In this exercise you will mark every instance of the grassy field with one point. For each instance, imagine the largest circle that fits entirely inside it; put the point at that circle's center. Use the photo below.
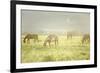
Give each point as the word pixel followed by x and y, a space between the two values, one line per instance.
pixel 66 50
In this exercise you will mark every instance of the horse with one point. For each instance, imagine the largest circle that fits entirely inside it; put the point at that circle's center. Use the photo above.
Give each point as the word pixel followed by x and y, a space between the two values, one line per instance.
pixel 51 38
pixel 85 39
pixel 69 35
pixel 30 36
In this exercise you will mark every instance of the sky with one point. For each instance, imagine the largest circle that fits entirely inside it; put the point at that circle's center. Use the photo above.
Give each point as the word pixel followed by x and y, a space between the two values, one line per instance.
pixel 33 21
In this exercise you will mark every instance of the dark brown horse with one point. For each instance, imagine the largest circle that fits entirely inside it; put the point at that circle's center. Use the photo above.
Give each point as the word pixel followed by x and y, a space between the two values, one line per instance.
pixel 51 38
pixel 30 36
pixel 86 38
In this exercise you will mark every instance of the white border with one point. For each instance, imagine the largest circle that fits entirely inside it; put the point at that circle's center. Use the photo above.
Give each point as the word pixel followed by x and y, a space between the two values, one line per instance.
pixel 20 65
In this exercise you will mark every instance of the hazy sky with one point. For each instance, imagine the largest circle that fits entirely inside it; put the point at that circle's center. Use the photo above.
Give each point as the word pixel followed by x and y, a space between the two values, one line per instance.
pixel 49 21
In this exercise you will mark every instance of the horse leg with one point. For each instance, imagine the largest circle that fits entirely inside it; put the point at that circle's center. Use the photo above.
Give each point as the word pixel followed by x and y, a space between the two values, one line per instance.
pixel 83 41
pixel 49 43
pixel 37 40
pixel 34 40
pixel 28 40
pixel 55 42
pixel 24 40
pixel 45 43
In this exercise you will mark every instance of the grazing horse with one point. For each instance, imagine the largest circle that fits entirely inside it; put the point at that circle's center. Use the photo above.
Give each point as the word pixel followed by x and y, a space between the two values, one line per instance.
pixel 51 38
pixel 69 35
pixel 86 38
pixel 30 36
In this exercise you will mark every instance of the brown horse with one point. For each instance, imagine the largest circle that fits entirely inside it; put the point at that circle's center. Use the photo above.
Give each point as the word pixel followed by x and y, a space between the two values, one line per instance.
pixel 30 36
pixel 69 35
pixel 51 38
pixel 86 39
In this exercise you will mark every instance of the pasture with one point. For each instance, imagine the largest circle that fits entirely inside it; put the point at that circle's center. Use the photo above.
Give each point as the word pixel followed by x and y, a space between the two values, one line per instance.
pixel 66 50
